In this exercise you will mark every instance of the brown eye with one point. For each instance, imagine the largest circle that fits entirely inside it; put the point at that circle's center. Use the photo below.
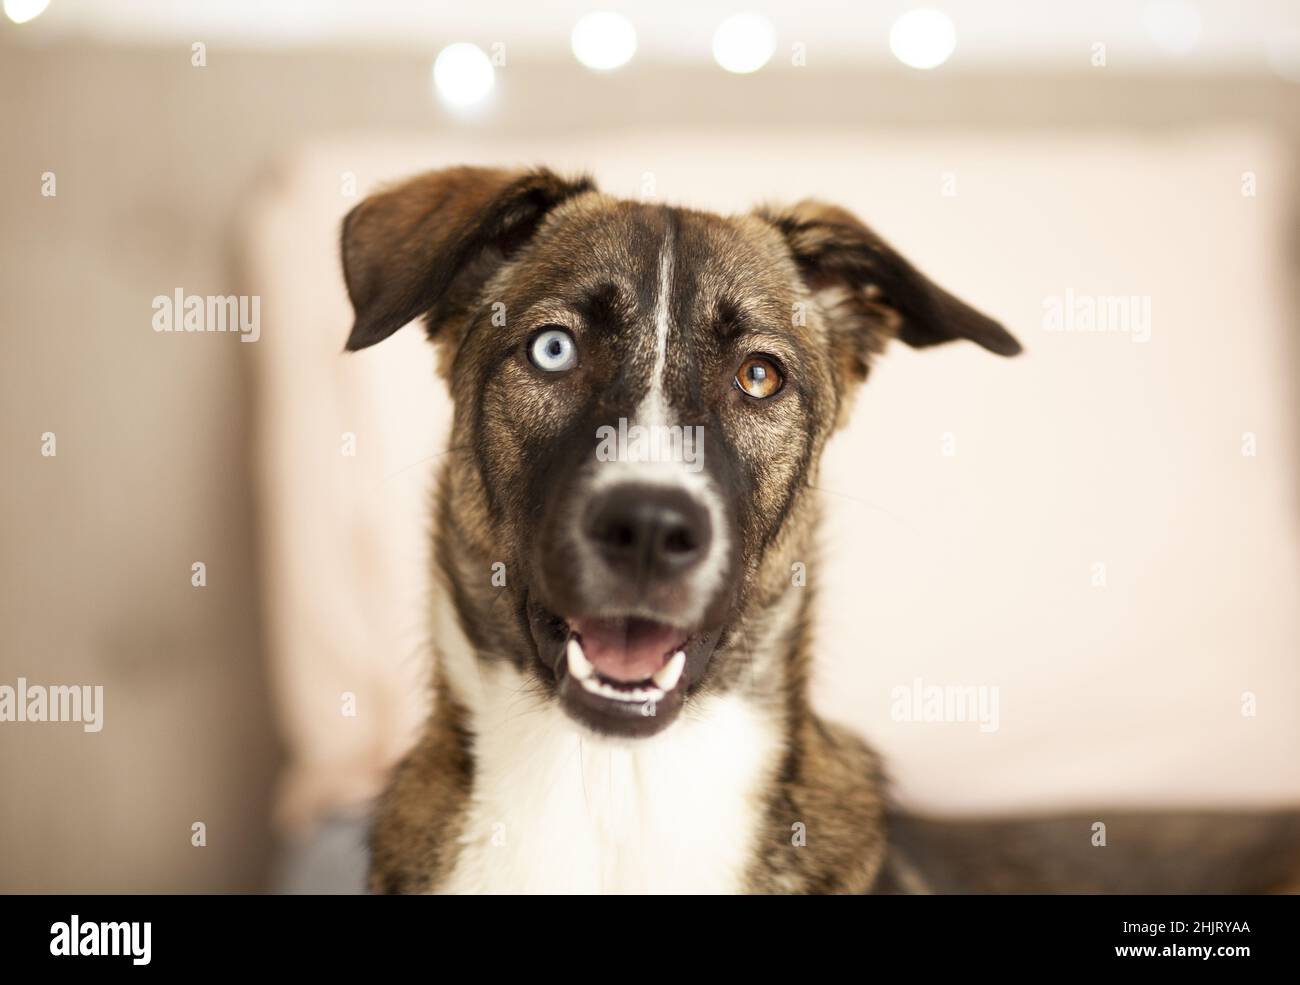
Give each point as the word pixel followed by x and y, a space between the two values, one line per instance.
pixel 759 377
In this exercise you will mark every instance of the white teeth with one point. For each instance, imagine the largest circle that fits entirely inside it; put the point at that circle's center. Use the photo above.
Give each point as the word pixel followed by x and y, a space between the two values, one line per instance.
pixel 670 673
pixel 636 694
pixel 579 666
pixel 581 670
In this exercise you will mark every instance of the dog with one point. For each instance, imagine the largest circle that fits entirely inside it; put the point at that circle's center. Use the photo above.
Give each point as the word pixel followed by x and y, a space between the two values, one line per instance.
pixel 642 396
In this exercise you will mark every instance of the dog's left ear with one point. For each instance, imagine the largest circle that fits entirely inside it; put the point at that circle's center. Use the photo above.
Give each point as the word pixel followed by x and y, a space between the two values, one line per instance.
pixel 875 287
pixel 425 246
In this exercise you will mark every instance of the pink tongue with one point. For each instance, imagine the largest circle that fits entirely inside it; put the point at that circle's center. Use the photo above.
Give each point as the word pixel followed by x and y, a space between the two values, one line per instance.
pixel 626 650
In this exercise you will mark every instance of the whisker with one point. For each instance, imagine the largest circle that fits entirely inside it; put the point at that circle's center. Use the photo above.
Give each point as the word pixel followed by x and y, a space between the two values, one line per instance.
pixel 422 461
pixel 867 503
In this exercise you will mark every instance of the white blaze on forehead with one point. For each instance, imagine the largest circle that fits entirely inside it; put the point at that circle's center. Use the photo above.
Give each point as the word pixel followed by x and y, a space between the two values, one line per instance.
pixel 654 412
pixel 654 408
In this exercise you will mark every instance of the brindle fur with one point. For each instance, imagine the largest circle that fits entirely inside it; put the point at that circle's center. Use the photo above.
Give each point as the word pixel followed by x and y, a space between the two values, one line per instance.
pixel 450 244
pixel 829 780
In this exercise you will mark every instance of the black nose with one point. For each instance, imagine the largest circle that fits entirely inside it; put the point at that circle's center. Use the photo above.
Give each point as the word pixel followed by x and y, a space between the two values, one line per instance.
pixel 647 531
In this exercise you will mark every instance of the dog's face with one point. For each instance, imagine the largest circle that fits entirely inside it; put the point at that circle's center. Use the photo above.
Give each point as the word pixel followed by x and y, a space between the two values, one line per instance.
pixel 642 396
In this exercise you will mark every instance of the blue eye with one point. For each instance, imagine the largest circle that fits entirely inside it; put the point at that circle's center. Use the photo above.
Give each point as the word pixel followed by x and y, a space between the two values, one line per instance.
pixel 553 350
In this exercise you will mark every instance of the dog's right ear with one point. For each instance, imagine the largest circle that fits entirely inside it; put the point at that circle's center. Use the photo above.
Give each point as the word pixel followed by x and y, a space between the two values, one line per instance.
pixel 430 243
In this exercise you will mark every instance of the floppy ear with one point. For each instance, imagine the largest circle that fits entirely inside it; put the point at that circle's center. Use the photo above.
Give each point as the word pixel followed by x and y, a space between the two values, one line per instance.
pixel 430 243
pixel 877 288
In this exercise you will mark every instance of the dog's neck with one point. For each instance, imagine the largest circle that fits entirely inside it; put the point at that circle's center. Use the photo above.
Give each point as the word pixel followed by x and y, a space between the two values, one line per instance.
pixel 555 807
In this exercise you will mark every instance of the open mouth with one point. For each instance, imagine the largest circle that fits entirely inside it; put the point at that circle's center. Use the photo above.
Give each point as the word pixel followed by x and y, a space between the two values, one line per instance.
pixel 626 659
pixel 624 675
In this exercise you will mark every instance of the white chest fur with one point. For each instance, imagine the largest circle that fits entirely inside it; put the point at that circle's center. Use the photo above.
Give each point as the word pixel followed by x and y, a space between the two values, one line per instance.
pixel 558 810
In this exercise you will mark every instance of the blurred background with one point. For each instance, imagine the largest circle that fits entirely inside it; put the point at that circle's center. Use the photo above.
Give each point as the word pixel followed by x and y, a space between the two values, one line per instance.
pixel 1016 150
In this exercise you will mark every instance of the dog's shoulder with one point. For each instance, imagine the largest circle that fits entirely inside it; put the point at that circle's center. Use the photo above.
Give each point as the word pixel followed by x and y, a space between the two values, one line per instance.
pixel 824 830
pixel 418 820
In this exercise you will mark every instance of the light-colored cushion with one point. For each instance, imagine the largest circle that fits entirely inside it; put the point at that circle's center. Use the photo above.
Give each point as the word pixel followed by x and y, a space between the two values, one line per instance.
pixel 1078 528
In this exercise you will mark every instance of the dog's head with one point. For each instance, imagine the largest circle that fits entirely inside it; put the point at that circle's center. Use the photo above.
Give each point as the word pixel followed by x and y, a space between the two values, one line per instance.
pixel 642 394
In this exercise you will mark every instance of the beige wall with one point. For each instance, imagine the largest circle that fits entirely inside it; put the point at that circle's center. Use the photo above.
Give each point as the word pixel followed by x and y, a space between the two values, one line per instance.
pixel 153 161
